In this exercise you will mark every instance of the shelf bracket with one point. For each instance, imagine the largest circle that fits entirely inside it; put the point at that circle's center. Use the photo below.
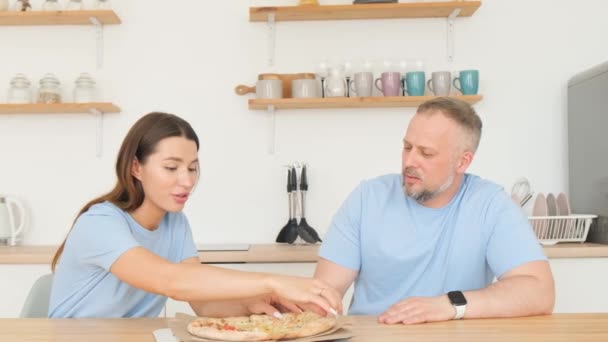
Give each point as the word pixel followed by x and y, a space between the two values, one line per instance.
pixel 271 37
pixel 99 37
pixel 273 128
pixel 99 134
pixel 450 34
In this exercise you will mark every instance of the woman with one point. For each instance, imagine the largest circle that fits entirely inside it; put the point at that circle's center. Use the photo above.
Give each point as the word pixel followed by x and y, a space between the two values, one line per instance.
pixel 132 248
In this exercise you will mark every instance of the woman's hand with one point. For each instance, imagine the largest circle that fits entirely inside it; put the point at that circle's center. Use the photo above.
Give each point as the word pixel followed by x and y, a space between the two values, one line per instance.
pixel 269 305
pixel 306 291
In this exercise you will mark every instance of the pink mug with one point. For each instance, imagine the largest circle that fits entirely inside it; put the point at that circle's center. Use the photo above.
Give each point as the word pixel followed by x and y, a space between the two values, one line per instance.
pixel 390 83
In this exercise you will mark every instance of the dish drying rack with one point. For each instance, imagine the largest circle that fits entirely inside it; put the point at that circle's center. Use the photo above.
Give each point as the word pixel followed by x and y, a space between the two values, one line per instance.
pixel 553 229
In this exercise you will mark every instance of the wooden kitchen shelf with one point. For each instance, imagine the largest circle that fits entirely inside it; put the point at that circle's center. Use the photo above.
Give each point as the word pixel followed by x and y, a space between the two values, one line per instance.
pixel 350 102
pixel 366 11
pixel 280 253
pixel 42 108
pixel 107 17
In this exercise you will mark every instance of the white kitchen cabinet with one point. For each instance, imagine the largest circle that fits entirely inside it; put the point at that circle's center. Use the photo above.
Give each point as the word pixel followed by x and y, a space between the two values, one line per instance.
pixel 581 284
pixel 15 284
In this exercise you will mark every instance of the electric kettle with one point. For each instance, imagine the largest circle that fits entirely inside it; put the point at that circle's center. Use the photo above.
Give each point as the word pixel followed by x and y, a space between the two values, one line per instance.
pixel 12 212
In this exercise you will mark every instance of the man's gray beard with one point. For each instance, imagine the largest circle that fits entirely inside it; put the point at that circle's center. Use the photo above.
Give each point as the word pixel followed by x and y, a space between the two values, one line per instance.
pixel 426 195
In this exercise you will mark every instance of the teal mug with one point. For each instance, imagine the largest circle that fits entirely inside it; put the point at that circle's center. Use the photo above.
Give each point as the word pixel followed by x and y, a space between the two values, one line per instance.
pixel 414 83
pixel 469 82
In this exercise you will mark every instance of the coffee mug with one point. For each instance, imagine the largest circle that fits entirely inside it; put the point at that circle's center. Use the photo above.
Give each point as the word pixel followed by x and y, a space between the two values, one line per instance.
pixel 304 88
pixel 269 89
pixel 361 84
pixel 440 83
pixel 390 83
pixel 469 82
pixel 414 83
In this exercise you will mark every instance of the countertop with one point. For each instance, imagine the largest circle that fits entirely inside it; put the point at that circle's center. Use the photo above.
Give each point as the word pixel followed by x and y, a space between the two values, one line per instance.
pixel 558 327
pixel 277 253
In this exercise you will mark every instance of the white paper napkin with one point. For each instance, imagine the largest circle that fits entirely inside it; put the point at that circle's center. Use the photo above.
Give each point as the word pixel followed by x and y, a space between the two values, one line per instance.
pixel 164 335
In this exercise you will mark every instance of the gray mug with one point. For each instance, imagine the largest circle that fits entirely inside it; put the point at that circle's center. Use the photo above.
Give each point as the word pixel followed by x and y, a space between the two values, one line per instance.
pixel 362 83
pixel 440 83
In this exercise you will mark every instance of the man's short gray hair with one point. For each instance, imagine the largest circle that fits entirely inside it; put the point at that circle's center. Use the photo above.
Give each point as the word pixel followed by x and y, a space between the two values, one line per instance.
pixel 459 111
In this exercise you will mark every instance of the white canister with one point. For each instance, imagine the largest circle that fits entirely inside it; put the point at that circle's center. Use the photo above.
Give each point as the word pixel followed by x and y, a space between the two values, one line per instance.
pixel 269 89
pixel 305 88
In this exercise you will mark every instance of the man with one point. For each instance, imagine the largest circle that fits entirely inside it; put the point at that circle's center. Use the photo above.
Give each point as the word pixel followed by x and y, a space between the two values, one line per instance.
pixel 425 246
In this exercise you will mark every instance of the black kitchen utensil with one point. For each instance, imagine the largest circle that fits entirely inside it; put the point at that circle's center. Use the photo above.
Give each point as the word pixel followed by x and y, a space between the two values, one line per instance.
pixel 289 232
pixel 305 231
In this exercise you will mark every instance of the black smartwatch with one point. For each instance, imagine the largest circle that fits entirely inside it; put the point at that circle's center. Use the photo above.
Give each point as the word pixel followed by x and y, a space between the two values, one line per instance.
pixel 459 302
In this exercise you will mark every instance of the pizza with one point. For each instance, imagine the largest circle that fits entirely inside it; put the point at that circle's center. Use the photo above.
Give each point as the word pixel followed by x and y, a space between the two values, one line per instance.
pixel 261 327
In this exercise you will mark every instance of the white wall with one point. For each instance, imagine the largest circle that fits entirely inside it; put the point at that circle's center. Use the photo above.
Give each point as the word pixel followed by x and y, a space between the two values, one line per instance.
pixel 186 57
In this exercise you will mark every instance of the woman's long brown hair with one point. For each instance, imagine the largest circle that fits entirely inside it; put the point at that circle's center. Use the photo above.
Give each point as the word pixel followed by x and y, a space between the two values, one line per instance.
pixel 140 142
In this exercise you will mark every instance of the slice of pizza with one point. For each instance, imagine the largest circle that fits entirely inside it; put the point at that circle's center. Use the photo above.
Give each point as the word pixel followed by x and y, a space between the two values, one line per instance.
pixel 261 327
pixel 305 324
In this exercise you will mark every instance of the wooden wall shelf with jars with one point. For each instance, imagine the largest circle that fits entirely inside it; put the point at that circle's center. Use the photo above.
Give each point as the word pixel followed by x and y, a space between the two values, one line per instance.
pixel 58 108
pixel 350 102
pixel 97 18
pixel 439 9
pixel 29 18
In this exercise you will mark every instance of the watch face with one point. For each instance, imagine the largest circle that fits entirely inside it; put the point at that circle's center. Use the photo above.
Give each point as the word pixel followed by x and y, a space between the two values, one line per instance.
pixel 457 298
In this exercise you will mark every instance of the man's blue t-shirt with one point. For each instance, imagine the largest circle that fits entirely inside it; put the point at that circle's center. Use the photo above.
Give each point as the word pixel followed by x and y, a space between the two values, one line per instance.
pixel 402 249
pixel 83 286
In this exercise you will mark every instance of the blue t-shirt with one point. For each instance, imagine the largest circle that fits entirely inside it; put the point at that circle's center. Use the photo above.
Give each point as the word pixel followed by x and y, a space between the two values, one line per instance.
pixel 403 249
pixel 83 286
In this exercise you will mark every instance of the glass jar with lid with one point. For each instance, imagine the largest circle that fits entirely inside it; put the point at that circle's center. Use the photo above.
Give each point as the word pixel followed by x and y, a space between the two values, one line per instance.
pixel 103 4
pixel 74 5
pixel 51 5
pixel 20 91
pixel 22 6
pixel 84 89
pixel 50 90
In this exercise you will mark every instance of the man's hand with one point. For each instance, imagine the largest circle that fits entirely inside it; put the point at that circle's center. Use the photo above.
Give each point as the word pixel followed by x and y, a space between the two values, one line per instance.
pixel 416 310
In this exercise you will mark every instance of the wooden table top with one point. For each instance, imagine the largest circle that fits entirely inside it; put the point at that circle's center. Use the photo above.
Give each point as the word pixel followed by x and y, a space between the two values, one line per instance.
pixel 276 253
pixel 558 327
